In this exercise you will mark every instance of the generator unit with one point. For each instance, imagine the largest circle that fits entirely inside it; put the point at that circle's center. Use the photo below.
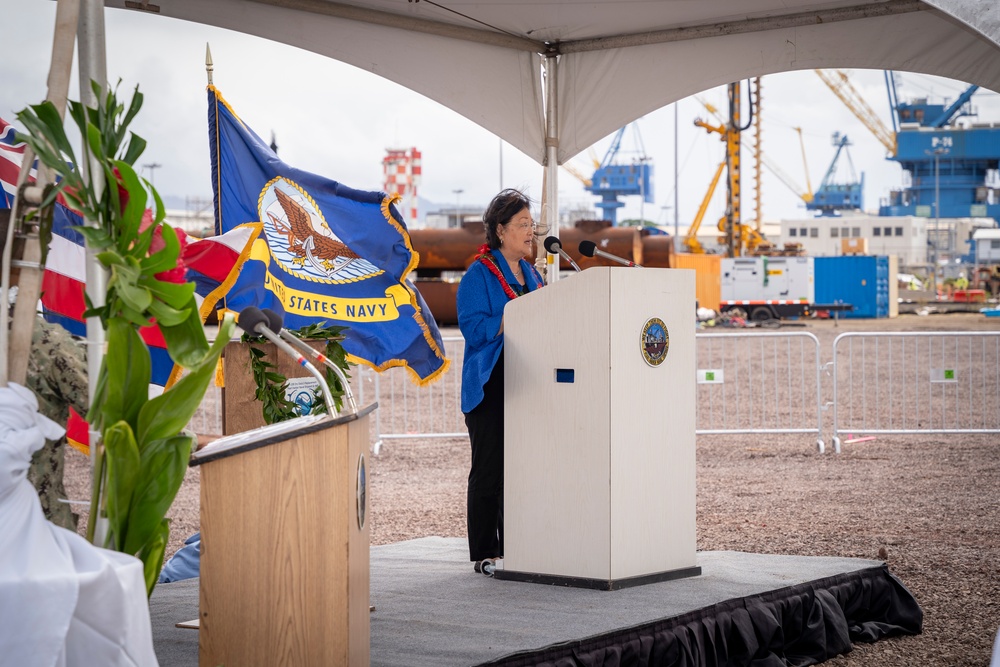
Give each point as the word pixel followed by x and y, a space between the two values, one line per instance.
pixel 768 287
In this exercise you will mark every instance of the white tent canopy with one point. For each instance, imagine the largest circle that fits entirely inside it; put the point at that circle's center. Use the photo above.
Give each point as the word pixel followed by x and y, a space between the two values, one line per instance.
pixel 617 60
pixel 551 77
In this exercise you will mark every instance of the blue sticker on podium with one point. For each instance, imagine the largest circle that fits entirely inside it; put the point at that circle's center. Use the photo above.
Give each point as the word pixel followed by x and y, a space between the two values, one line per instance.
pixel 565 375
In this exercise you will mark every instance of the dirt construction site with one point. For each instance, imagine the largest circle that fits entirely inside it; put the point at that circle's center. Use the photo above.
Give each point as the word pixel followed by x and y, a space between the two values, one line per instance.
pixel 926 503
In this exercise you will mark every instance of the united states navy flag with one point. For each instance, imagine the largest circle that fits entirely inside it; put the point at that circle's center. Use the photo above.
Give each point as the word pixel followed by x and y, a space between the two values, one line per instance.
pixel 327 253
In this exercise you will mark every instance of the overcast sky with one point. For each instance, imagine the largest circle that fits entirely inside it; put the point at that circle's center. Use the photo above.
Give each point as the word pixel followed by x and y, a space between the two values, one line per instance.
pixel 336 120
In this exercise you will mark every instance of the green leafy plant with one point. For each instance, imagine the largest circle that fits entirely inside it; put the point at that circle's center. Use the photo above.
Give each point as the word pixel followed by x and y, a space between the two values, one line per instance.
pixel 143 452
pixel 271 384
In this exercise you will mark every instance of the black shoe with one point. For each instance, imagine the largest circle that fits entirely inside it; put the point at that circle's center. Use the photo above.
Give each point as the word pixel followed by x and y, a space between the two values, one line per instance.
pixel 486 566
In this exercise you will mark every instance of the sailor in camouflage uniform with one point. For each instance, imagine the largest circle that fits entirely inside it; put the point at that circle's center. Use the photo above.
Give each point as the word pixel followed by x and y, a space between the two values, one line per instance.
pixel 57 374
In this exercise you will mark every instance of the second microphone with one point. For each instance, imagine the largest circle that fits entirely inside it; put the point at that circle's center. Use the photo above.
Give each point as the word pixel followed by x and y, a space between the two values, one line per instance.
pixel 589 249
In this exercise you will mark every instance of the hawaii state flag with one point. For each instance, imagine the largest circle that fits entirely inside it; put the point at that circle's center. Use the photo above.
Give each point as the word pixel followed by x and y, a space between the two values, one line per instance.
pixel 11 156
pixel 213 264
pixel 327 252
pixel 78 432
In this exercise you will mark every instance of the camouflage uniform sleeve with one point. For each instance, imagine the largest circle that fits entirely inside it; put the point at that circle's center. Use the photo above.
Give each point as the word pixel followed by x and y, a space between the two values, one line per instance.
pixel 57 370
pixel 57 374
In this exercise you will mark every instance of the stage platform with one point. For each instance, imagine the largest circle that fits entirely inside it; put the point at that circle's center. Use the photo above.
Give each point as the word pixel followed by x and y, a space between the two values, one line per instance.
pixel 432 609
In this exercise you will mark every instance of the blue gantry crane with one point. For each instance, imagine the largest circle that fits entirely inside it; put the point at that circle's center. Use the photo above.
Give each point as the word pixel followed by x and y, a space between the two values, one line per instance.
pixel 951 167
pixel 831 198
pixel 612 179
pixel 956 165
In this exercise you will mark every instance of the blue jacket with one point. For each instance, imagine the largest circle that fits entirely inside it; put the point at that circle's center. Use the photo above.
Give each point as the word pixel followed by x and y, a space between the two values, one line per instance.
pixel 481 300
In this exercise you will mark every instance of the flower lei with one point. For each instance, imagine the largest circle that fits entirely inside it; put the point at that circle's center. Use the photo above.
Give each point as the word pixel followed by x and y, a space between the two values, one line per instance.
pixel 488 260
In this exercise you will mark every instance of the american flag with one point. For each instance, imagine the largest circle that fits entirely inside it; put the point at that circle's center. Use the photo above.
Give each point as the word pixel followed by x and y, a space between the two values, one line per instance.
pixel 11 156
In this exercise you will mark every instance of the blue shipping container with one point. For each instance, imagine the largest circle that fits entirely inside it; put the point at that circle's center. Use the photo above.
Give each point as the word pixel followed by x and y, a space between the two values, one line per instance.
pixel 860 280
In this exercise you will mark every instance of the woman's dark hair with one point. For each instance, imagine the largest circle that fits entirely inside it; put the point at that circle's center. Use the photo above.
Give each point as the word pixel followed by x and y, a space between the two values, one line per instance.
pixel 504 206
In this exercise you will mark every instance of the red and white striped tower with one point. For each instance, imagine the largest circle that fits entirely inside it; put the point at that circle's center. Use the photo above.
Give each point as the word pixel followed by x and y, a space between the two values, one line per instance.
pixel 401 167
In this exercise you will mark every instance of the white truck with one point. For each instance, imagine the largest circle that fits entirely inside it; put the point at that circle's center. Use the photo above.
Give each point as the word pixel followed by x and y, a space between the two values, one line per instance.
pixel 766 288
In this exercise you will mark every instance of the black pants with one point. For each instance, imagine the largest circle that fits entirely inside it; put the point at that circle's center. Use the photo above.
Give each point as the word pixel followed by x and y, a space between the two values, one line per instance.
pixel 485 498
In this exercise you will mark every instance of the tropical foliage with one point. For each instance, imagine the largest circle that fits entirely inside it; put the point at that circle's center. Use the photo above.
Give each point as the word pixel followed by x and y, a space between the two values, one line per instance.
pixel 140 462
pixel 271 384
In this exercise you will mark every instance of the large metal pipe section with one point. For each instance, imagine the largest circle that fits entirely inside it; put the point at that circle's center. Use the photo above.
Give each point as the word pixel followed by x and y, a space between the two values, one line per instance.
pixel 455 249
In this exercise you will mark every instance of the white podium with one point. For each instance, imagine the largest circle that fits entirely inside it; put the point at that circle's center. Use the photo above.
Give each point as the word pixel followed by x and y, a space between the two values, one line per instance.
pixel 599 430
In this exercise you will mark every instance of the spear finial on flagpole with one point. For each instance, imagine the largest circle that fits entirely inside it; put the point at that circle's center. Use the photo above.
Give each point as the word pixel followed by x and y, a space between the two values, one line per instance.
pixel 208 62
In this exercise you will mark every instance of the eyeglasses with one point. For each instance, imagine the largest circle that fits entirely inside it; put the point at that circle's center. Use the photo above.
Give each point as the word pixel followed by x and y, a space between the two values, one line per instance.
pixel 525 226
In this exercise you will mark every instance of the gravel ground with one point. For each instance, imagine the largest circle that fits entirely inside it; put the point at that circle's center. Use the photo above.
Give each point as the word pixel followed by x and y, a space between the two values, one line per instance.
pixel 927 504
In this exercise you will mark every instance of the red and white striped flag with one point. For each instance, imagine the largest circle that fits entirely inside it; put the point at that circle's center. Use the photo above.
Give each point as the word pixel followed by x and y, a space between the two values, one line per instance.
pixel 213 264
pixel 11 157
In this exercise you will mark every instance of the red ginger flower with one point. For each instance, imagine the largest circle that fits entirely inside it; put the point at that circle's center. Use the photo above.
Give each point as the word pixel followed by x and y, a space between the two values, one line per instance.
pixel 178 273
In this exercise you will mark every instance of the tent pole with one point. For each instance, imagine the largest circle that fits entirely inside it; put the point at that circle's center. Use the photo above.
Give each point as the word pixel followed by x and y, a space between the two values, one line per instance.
pixel 15 345
pixel 93 67
pixel 551 183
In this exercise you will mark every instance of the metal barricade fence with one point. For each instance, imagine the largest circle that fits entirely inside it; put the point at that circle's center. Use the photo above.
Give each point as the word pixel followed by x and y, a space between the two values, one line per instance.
pixel 747 383
pixel 207 419
pixel 916 382
pixel 407 411
pixel 751 383
pixel 394 390
pixel 759 383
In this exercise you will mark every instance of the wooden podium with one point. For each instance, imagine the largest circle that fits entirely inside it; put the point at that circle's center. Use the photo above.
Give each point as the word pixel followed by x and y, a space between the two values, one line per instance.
pixel 599 430
pixel 284 545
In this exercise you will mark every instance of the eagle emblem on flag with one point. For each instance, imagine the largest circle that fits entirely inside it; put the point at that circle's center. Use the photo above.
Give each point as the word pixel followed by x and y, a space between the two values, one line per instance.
pixel 301 240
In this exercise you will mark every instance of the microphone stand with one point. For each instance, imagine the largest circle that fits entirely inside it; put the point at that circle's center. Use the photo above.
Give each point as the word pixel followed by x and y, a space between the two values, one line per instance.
pixel 323 359
pixel 589 249
pixel 261 329
pixel 554 246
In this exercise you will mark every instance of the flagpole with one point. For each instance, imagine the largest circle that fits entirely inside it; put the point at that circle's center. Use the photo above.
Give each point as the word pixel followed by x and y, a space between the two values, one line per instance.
pixel 551 181
pixel 16 344
pixel 208 62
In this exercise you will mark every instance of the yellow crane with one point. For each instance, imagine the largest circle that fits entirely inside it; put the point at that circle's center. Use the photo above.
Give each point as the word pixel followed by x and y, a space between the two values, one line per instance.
pixel 805 164
pixel 576 172
pixel 691 241
pixel 805 194
pixel 736 235
pixel 841 86
pixel 758 135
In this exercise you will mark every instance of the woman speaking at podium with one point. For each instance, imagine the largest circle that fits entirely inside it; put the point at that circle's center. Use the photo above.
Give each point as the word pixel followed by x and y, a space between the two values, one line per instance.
pixel 500 273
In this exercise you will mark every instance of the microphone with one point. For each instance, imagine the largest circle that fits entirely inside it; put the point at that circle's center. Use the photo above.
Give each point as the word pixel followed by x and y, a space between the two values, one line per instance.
pixel 254 321
pixel 589 249
pixel 276 325
pixel 553 246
